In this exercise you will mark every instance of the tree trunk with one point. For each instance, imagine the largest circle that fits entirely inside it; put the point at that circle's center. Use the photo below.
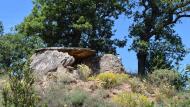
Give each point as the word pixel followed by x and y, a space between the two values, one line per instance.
pixel 141 56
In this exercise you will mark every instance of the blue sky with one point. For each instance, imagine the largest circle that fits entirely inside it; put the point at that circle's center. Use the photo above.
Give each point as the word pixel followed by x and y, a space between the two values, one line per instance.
pixel 12 12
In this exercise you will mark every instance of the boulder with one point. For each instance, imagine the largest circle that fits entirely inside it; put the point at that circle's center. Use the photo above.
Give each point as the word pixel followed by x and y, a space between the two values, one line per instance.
pixel 110 63
pixel 57 66
pixel 105 63
pixel 49 61
pixel 60 77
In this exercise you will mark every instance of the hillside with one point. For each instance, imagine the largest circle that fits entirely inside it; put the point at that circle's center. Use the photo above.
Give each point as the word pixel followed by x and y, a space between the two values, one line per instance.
pixel 78 85
pixel 94 53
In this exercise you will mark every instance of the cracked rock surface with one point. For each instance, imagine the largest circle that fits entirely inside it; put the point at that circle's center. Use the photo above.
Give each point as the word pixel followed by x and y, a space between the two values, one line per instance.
pixel 49 61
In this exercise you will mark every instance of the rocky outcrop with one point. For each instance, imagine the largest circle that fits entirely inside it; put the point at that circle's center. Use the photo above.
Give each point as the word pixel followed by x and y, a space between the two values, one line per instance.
pixel 55 64
pixel 110 63
pixel 58 65
pixel 60 76
pixel 105 63
pixel 50 60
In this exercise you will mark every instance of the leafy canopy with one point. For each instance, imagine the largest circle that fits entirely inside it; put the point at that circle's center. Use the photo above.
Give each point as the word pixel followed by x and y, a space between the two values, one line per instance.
pixel 76 23
pixel 153 34
pixel 16 48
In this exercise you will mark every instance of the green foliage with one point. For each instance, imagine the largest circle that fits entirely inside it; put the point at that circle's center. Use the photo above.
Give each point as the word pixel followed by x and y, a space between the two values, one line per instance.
pixel 77 23
pixel 126 99
pixel 170 77
pixel 165 90
pixel 16 48
pixel 165 56
pixel 180 100
pixel 170 1
pixel 79 98
pixel 153 33
pixel 19 90
pixel 1 28
pixel 188 68
pixel 63 97
pixel 161 76
pixel 84 71
pixel 109 79
pixel 137 85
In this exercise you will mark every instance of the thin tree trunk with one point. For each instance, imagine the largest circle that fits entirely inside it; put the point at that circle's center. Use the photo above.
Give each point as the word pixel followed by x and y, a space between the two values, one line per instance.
pixel 141 56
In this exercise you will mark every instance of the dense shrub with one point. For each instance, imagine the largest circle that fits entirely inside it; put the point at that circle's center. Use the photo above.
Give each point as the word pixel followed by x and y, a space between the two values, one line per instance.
pixel 167 90
pixel 84 71
pixel 164 76
pixel 63 97
pixel 180 100
pixel 80 98
pixel 109 79
pixel 126 99
pixel 137 85
pixel 76 98
pixel 19 91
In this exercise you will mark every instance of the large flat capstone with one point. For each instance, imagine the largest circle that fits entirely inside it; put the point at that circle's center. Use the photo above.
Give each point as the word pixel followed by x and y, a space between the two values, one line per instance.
pixel 77 53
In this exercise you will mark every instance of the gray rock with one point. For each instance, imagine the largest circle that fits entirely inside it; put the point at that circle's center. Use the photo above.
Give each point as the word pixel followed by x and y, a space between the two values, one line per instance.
pixel 49 61
pixel 105 63
pixel 110 63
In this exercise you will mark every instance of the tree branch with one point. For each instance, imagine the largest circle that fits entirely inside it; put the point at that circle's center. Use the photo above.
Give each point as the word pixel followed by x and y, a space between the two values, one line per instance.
pixel 179 17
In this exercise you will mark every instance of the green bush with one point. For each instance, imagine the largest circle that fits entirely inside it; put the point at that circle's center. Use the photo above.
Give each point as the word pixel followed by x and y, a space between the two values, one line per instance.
pixel 167 90
pixel 95 101
pixel 164 76
pixel 126 99
pixel 137 85
pixel 54 95
pixel 180 100
pixel 76 98
pixel 84 71
pixel 19 92
pixel 63 97
pixel 109 79
pixel 80 98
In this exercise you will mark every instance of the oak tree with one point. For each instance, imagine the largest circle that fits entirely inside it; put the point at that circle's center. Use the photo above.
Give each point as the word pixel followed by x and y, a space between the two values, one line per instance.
pixel 75 23
pixel 153 25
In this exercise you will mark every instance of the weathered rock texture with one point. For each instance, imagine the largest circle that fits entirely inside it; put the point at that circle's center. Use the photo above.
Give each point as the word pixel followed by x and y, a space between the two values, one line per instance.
pixel 105 63
pixel 61 75
pixel 50 60
pixel 58 65
pixel 110 63
pixel 54 64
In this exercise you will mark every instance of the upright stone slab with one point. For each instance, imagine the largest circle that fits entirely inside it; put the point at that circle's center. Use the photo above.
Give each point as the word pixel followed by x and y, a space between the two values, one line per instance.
pixel 105 63
pixel 111 63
